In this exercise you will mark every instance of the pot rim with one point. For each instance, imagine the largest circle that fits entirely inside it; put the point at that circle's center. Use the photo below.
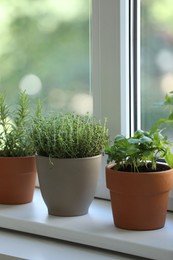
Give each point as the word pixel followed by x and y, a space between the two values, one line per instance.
pixel 167 170
pixel 81 158
pixel 16 157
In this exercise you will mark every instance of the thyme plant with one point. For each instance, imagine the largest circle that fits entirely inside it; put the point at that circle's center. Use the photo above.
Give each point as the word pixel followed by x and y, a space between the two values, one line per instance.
pixel 15 137
pixel 68 135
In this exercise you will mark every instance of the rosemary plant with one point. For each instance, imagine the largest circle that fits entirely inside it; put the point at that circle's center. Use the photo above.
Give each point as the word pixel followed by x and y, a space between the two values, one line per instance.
pixel 68 135
pixel 15 137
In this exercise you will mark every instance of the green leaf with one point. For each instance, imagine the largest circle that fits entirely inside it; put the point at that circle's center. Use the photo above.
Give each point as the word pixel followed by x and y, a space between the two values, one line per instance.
pixel 170 117
pixel 133 141
pixel 119 138
pixel 133 150
pixel 169 159
pixel 145 139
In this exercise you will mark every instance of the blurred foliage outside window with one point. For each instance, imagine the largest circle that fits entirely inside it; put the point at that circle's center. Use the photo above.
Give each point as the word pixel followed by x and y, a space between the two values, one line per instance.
pixel 44 49
pixel 156 58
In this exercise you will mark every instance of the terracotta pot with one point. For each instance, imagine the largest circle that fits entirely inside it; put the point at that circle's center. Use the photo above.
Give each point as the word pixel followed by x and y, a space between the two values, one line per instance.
pixel 139 200
pixel 17 179
pixel 68 186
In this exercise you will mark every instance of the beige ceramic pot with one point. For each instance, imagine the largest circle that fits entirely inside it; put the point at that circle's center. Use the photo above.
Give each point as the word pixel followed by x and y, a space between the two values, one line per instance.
pixel 139 200
pixel 68 186
pixel 17 179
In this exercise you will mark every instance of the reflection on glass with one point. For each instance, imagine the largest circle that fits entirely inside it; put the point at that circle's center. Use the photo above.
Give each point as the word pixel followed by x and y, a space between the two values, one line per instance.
pixel 44 49
pixel 156 57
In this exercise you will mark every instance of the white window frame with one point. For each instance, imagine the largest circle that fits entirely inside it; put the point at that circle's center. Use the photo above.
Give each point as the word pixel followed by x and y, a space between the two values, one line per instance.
pixel 110 69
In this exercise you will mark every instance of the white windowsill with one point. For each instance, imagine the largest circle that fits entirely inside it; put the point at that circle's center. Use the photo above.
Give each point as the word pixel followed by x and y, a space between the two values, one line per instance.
pixel 94 229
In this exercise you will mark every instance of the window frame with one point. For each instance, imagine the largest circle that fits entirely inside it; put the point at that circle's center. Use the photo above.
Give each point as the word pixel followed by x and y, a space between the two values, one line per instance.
pixel 110 70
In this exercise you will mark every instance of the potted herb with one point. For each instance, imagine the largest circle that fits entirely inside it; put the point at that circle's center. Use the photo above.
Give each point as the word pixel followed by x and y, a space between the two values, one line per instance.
pixel 138 183
pixel 17 160
pixel 69 153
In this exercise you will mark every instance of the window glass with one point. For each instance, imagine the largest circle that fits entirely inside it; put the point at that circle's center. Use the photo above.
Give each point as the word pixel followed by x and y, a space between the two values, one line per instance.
pixel 156 58
pixel 44 49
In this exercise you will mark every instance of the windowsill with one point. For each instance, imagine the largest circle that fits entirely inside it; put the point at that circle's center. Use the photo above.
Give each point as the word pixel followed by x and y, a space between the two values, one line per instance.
pixel 94 229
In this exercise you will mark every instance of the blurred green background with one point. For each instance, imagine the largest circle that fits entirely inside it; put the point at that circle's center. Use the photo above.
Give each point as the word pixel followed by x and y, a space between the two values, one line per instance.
pixel 156 58
pixel 44 49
